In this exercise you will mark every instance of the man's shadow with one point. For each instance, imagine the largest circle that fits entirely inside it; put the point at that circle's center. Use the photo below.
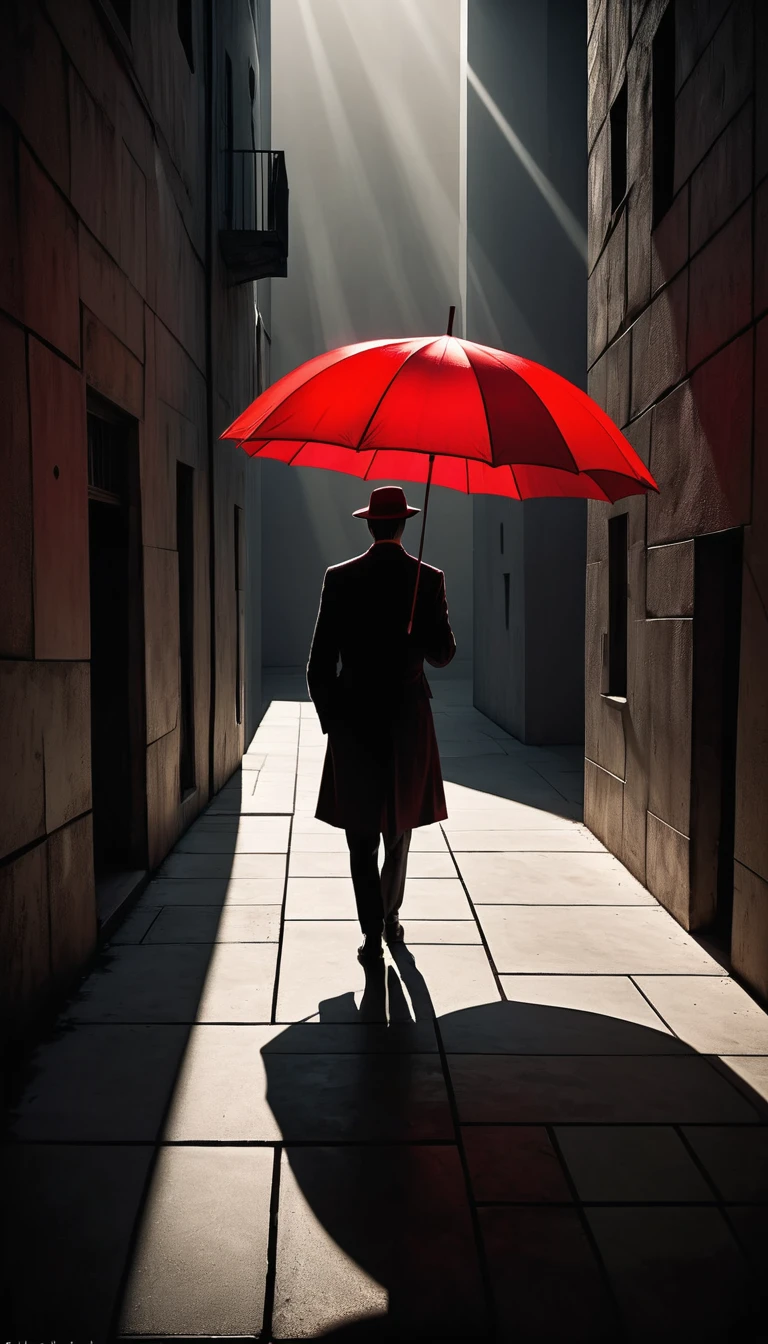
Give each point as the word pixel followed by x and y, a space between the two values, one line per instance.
pixel 379 1235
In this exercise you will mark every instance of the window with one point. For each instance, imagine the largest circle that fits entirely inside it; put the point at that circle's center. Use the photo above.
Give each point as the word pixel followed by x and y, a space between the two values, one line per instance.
pixel 185 543
pixel 184 25
pixel 619 148
pixel 663 113
pixel 239 567
pixel 617 605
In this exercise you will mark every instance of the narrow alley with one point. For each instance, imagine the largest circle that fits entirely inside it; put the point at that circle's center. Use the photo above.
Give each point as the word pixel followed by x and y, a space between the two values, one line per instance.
pixel 544 1119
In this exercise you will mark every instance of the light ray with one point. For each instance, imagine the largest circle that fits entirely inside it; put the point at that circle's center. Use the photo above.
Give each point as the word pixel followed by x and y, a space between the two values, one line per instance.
pixel 565 217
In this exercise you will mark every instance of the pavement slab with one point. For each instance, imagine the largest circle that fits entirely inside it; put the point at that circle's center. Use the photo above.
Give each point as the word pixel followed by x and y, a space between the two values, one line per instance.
pixel 542 1117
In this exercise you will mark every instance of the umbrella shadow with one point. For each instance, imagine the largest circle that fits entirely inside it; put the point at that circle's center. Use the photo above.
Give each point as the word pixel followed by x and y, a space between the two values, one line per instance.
pixel 428 1192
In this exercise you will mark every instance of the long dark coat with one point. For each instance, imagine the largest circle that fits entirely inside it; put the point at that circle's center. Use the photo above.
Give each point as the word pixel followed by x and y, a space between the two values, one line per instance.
pixel 382 766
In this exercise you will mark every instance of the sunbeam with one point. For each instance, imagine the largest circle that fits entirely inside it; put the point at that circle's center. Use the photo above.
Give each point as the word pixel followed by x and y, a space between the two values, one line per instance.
pixel 565 217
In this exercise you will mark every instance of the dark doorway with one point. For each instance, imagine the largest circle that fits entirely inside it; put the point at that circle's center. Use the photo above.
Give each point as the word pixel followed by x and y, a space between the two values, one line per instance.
pixel 116 649
pixel 716 637
pixel 185 541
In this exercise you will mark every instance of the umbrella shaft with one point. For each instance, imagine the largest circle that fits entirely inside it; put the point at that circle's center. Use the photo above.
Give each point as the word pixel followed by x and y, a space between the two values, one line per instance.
pixel 421 543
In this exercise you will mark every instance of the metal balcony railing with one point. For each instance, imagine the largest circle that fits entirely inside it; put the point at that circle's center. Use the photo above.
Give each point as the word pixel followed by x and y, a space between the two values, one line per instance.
pixel 254 233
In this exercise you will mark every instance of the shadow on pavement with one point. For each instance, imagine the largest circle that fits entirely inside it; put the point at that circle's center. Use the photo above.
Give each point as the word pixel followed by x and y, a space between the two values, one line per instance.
pixel 561 1185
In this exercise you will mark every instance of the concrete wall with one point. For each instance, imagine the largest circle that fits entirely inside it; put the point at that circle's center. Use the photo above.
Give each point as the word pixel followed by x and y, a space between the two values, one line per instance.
pixel 366 105
pixel 526 216
pixel 679 356
pixel 103 289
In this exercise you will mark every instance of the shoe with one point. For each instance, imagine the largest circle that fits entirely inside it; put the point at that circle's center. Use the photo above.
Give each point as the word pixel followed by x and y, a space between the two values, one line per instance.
pixel 394 931
pixel 371 950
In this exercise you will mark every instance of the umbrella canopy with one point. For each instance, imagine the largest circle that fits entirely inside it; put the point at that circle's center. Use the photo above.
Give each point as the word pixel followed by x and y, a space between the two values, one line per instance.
pixel 440 409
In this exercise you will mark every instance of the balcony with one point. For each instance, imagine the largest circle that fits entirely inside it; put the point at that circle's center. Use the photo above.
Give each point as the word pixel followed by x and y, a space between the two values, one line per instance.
pixel 254 236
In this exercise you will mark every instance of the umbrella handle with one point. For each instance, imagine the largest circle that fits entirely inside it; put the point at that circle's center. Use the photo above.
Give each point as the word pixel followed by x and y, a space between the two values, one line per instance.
pixel 421 543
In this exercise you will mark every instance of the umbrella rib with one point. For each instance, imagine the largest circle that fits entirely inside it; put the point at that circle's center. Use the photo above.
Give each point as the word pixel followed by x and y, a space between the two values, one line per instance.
pixel 365 345
pixel 544 407
pixel 488 425
pixel 603 430
pixel 429 340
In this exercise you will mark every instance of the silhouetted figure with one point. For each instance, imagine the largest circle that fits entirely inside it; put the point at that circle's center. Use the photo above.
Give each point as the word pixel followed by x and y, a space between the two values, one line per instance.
pixel 382 772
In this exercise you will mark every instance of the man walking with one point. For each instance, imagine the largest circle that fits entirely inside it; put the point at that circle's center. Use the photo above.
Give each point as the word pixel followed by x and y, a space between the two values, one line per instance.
pixel 382 772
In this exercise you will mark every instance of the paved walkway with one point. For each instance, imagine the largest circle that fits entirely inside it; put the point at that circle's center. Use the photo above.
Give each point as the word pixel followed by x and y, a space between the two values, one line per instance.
pixel 546 1121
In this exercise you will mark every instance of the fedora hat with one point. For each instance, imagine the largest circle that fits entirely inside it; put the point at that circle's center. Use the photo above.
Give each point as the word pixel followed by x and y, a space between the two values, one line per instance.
pixel 387 502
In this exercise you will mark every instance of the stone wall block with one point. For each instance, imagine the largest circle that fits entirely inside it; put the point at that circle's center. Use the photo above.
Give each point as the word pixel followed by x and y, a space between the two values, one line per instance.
pixel 71 898
pixel 48 230
pixel 599 193
pixel 11 299
pixel 106 292
pixel 721 287
pixel 616 264
pixel 133 221
pixel 597 531
pixel 761 248
pixel 161 640
pixel 638 433
pixel 95 160
pixel 617 16
pixel 603 805
pixel 33 85
pixel 761 91
pixel 658 345
pixel 16 630
pixel 694 28
pixel 175 273
pixel 701 450
pixel 669 580
pixel 158 488
pixel 110 368
pixel 669 645
pixel 84 37
pixel 667 868
pixel 60 493
pixel 597 78
pixel 178 381
pixel 756 536
pixel 723 180
pixel 24 938
pixel 669 242
pixel 751 843
pixel 22 788
pixel 604 729
pixel 609 380
pixel 638 174
pixel 636 722
pixel 638 211
pixel 597 311
pixel 163 796
pixel 65 690
pixel 719 83
pixel 749 945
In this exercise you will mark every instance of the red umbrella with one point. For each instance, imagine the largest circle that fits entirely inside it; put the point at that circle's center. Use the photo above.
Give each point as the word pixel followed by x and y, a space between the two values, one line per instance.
pixel 443 410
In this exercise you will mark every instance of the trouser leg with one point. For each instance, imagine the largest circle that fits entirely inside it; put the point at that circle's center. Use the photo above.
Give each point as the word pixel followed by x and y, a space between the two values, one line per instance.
pixel 393 873
pixel 364 866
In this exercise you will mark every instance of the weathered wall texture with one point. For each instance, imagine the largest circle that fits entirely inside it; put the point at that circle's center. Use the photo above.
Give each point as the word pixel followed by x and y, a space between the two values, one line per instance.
pixel 366 106
pixel 103 289
pixel 526 244
pixel 678 355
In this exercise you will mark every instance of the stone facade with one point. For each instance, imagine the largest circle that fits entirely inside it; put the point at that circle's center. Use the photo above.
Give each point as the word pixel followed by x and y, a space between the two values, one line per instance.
pixel 526 292
pixel 676 765
pixel 114 307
